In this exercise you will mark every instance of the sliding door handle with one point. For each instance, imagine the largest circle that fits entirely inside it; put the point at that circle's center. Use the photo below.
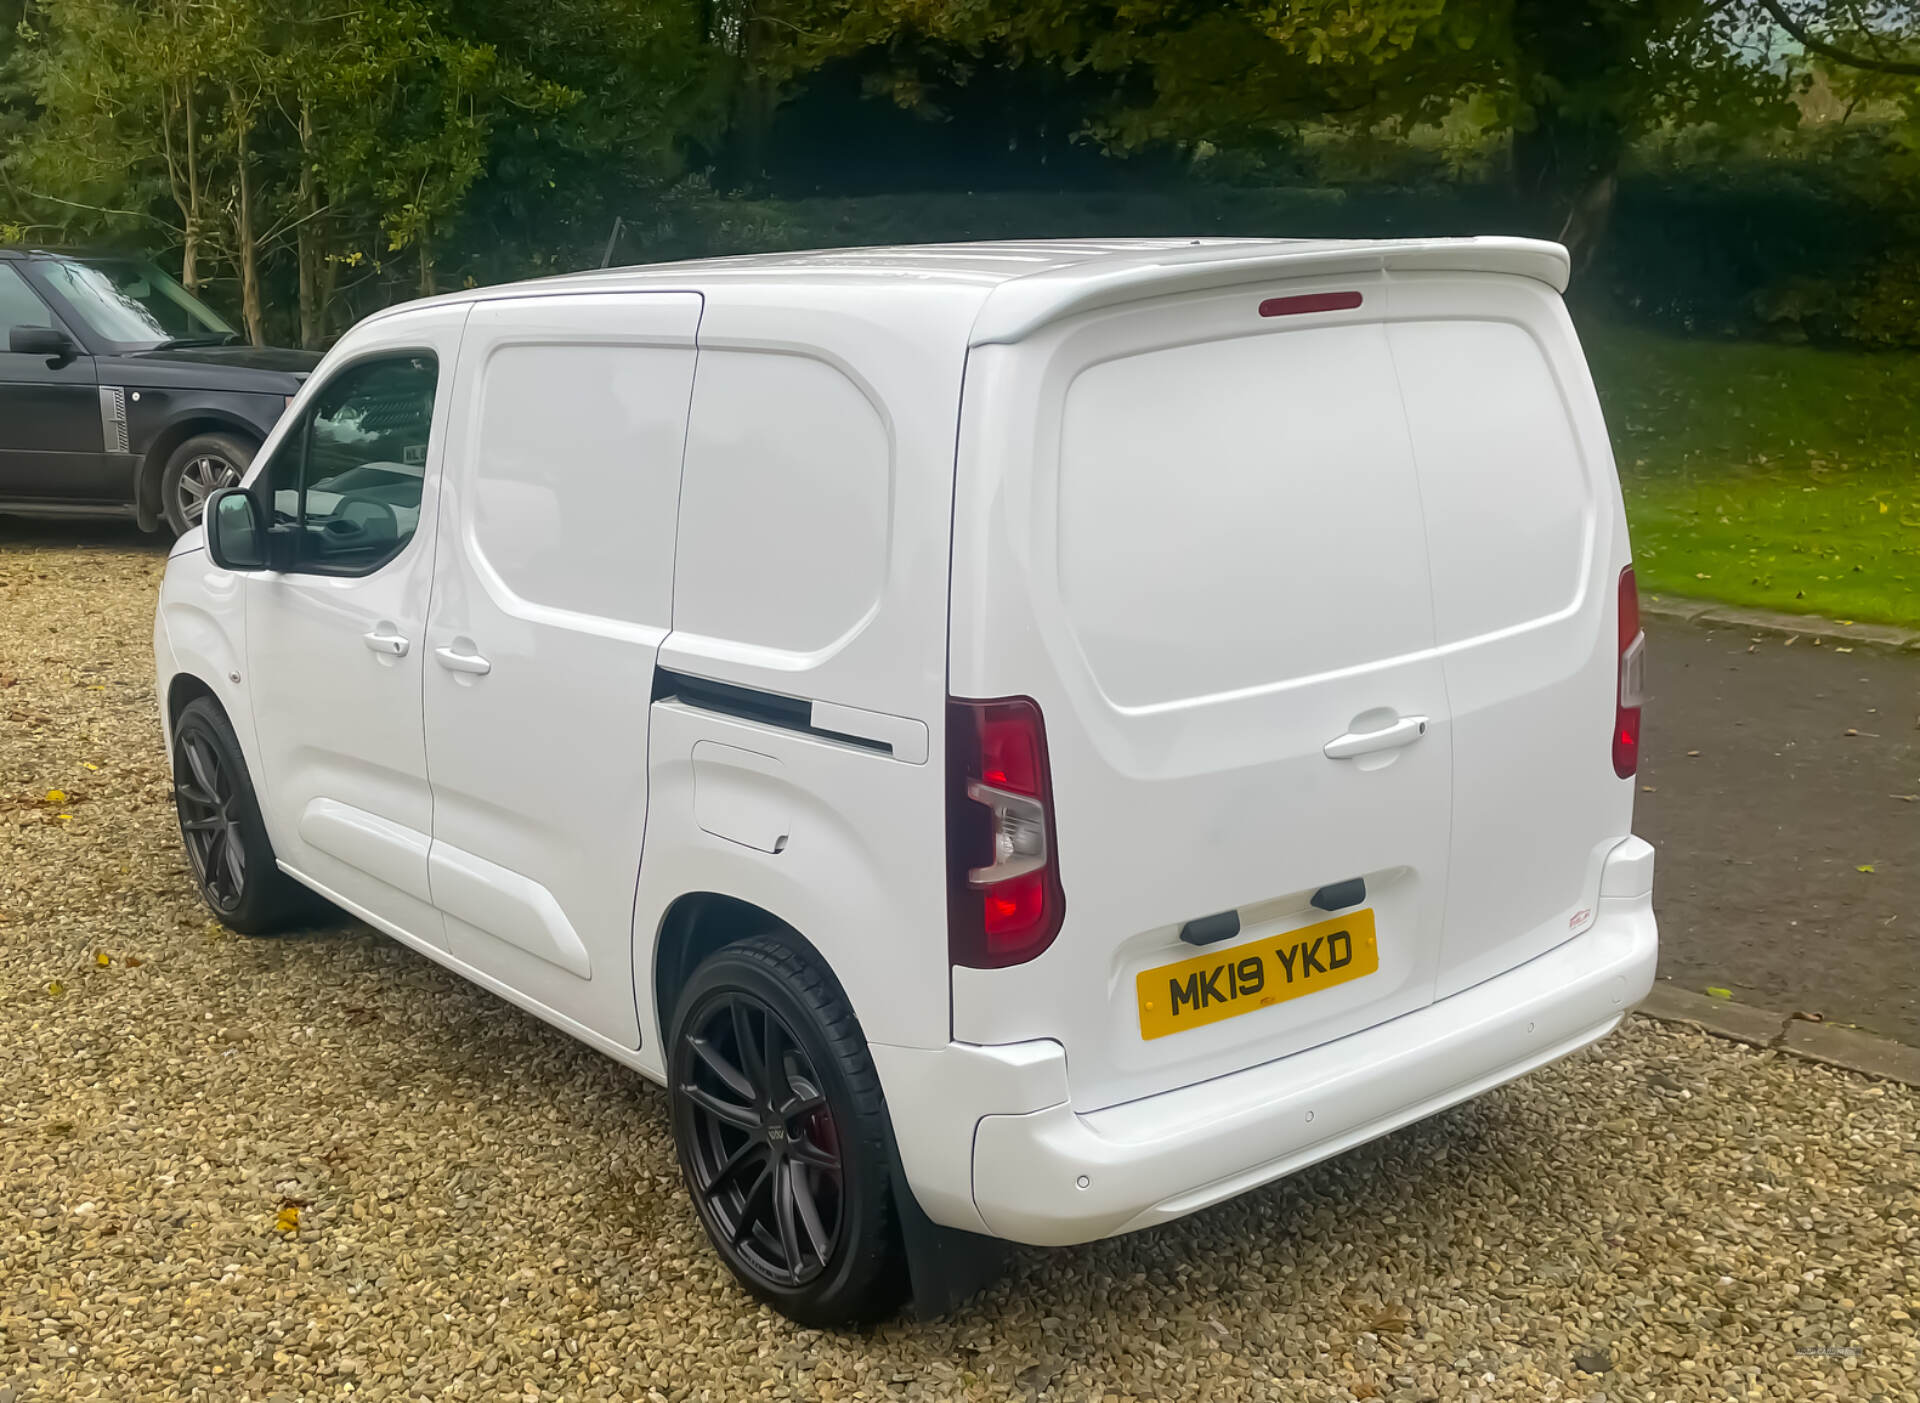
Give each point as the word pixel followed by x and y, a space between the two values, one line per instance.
pixel 454 661
pixel 1405 731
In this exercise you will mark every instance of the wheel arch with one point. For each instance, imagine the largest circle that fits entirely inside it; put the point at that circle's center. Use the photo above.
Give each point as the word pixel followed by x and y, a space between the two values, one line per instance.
pixel 182 691
pixel 697 924
pixel 201 419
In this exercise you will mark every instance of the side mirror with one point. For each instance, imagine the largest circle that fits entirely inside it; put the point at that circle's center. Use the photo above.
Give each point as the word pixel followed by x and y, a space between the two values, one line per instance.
pixel 235 537
pixel 47 341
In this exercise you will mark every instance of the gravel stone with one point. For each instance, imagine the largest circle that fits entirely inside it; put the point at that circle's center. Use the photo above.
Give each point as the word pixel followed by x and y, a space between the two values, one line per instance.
pixel 320 1167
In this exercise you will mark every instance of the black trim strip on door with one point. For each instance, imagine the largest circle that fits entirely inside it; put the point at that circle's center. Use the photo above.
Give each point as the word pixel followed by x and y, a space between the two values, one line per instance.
pixel 751 704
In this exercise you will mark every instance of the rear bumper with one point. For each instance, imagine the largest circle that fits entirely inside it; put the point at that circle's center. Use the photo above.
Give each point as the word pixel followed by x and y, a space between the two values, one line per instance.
pixel 1052 1176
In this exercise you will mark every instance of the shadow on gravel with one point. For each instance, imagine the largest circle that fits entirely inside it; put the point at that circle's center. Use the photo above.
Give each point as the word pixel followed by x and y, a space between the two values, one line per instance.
pixel 80 533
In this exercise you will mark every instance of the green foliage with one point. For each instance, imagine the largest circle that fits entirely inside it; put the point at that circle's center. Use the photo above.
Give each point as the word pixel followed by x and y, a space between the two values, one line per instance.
pixel 315 143
pixel 1782 477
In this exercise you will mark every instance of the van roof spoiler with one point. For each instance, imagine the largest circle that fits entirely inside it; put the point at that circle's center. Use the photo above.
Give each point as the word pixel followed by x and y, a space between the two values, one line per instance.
pixel 1020 306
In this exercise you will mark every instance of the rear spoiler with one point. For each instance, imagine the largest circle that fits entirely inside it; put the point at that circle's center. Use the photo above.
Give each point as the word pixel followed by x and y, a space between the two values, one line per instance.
pixel 1019 307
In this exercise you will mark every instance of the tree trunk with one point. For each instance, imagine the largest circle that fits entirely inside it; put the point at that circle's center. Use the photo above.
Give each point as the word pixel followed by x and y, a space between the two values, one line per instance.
pixel 750 114
pixel 190 242
pixel 244 252
pixel 307 250
pixel 1566 158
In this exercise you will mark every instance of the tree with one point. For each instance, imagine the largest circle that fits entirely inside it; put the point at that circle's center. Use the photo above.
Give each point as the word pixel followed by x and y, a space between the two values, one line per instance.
pixel 1573 82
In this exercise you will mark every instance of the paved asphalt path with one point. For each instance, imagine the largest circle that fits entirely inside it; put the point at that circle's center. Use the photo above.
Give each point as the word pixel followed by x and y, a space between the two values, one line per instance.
pixel 1767 781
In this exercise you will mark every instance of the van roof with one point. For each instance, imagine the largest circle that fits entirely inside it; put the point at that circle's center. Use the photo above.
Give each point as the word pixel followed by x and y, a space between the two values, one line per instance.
pixel 1023 285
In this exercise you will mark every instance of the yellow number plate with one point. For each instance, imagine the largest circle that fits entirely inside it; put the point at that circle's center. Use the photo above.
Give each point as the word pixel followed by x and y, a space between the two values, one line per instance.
pixel 1209 988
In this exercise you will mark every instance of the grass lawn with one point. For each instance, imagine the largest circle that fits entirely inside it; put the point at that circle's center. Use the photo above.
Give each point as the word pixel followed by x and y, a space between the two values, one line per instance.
pixel 1781 477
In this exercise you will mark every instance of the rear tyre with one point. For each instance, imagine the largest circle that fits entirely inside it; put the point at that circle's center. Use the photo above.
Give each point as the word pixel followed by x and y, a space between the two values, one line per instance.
pixel 225 837
pixel 782 1134
pixel 197 469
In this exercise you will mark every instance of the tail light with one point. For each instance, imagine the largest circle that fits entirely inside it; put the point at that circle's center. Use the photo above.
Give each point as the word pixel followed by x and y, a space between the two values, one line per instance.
pixel 1631 686
pixel 1004 902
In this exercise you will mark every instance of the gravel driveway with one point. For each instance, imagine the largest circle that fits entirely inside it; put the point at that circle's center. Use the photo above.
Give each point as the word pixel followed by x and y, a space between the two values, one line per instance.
pixel 320 1167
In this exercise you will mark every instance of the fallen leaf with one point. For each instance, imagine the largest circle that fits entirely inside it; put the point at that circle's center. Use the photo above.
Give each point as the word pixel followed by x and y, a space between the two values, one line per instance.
pixel 1693 752
pixel 88 765
pixel 56 988
pixel 287 1220
pixel 133 962
pixel 56 796
pixel 102 958
pixel 1593 1359
pixel 1806 1017
pixel 1392 1318
pixel 1716 992
pixel 1864 867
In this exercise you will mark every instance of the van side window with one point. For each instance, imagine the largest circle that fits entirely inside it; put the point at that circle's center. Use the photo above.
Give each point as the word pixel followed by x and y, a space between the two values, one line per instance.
pixel 349 476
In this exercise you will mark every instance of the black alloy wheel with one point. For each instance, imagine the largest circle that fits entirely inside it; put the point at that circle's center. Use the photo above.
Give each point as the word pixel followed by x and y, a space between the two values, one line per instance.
pixel 763 1148
pixel 225 837
pixel 783 1133
pixel 206 796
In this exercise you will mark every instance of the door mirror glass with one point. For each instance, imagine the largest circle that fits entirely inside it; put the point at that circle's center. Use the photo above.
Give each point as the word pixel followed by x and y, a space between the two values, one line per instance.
pixel 40 341
pixel 235 537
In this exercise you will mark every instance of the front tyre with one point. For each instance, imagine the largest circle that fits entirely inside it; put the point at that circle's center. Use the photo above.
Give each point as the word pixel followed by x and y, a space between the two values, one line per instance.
pixel 220 823
pixel 782 1136
pixel 195 471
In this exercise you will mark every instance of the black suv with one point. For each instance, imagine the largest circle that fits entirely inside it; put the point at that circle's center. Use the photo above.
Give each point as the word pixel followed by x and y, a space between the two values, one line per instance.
pixel 122 394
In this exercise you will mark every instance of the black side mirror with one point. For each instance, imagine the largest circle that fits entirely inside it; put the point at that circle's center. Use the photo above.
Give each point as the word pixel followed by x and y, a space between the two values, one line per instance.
pixel 236 539
pixel 47 341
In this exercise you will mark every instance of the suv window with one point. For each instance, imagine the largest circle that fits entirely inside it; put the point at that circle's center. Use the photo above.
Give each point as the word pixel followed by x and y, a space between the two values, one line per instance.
pixel 348 477
pixel 20 305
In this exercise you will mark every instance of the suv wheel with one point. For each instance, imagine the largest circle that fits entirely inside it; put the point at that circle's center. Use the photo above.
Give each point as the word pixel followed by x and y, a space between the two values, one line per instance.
pixel 196 470
pixel 782 1134
pixel 220 823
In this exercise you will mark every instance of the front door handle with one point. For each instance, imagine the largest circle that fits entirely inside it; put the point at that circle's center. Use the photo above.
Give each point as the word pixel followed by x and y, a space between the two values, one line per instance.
pixel 390 645
pixel 1405 731
pixel 463 662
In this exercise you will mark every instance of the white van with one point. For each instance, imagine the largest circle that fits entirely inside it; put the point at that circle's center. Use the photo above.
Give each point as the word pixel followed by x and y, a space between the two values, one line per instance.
pixel 1026 741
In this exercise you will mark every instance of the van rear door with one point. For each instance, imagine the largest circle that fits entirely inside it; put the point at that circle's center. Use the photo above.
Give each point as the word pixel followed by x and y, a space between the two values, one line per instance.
pixel 1192 533
pixel 1526 540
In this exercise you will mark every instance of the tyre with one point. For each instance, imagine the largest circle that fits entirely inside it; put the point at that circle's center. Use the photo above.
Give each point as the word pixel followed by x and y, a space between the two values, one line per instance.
pixel 221 826
pixel 783 1137
pixel 198 468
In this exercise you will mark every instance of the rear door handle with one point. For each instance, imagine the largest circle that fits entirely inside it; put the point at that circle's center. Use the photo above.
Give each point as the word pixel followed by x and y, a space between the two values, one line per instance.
pixel 390 644
pixel 1405 731
pixel 463 662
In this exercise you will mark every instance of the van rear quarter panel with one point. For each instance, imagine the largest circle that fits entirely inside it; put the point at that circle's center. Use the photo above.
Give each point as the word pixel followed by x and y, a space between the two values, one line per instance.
pixel 812 562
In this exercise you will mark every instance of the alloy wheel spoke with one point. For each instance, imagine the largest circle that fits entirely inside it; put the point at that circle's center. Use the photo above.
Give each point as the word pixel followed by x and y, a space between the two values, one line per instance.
pixel 807 1152
pixel 198 797
pixel 735 1079
pixel 754 1205
pixel 783 1213
pixel 201 761
pixel 809 1210
pixel 203 825
pixel 804 1098
pixel 750 1153
pixel 745 1117
pixel 752 1056
pixel 236 860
